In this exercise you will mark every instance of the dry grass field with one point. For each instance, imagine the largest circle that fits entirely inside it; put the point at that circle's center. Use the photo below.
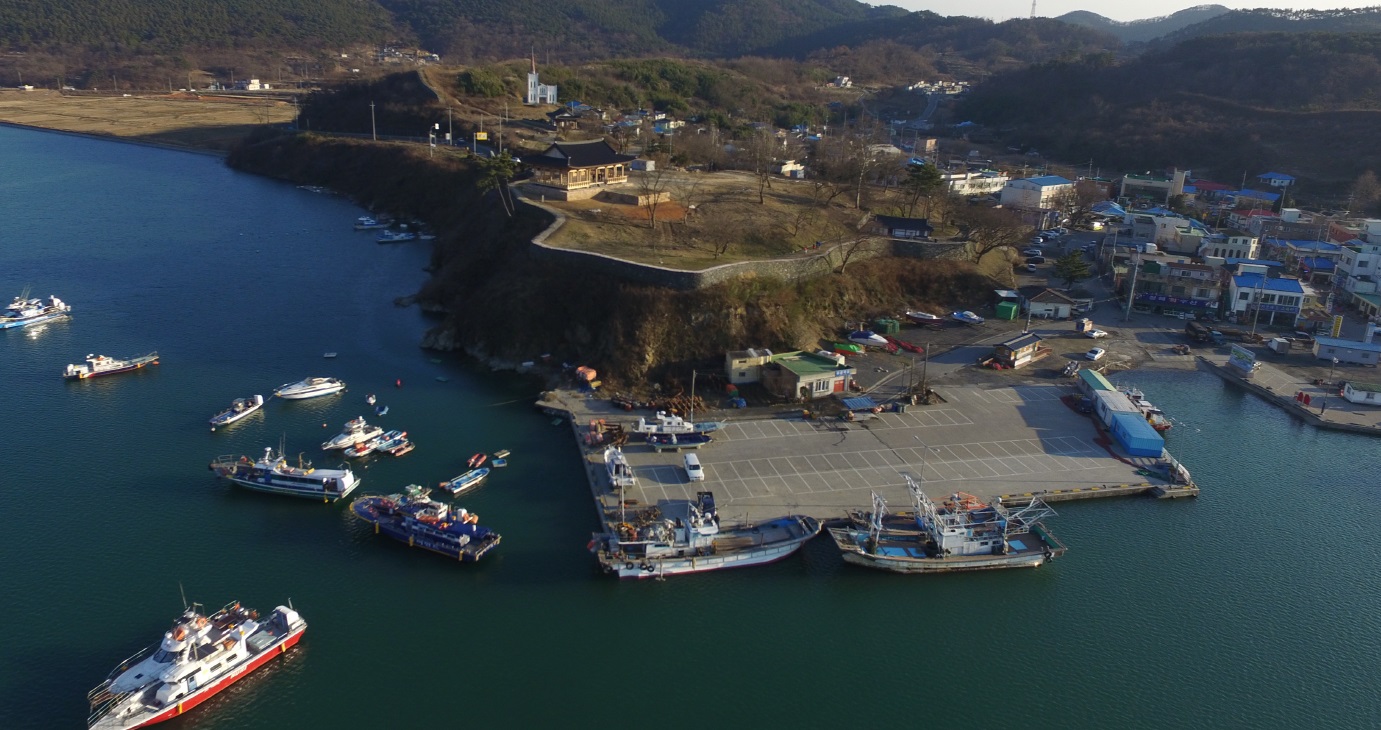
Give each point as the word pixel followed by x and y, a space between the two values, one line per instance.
pixel 179 119
pixel 712 218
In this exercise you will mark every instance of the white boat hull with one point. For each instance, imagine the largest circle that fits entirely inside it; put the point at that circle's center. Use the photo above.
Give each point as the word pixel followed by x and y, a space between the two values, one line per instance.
pixel 677 566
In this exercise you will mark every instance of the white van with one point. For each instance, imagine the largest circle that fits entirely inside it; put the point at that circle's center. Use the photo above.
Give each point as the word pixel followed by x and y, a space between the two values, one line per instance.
pixel 693 470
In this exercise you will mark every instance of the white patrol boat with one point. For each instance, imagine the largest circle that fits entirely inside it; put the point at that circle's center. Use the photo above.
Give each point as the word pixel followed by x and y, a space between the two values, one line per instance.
pixel 197 658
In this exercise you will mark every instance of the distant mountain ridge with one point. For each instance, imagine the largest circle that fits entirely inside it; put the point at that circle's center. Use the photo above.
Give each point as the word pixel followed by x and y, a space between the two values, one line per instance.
pixel 1147 29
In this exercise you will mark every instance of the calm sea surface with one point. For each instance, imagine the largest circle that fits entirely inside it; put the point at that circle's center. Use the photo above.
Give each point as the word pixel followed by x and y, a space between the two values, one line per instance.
pixel 1254 606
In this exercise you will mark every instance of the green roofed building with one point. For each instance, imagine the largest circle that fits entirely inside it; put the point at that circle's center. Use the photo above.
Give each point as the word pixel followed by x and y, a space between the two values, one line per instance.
pixel 805 375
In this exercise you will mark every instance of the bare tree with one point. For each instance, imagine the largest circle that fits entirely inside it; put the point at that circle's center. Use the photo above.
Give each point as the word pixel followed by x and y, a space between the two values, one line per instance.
pixel 652 185
pixel 843 249
pixel 988 229
pixel 1365 193
pixel 757 155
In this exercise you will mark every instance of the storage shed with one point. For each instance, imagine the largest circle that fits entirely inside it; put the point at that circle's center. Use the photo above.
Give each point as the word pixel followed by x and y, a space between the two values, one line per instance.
pixel 1351 351
pixel 1091 380
pixel 1136 436
pixel 1368 393
pixel 1108 403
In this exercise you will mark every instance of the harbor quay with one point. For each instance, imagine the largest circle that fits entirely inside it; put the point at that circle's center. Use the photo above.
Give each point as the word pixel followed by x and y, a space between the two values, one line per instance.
pixel 1014 442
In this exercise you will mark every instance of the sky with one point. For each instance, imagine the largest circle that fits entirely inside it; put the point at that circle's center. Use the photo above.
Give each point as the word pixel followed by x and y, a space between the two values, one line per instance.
pixel 1117 10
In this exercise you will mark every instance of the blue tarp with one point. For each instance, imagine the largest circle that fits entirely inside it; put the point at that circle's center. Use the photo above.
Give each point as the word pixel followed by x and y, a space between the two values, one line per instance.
pixel 860 403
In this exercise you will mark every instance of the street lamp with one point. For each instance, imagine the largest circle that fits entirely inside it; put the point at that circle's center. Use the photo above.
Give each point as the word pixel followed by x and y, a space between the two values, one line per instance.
pixel 925 453
pixel 1331 365
pixel 431 140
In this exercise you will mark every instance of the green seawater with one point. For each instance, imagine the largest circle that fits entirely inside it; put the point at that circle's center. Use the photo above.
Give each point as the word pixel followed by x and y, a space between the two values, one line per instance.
pixel 1253 606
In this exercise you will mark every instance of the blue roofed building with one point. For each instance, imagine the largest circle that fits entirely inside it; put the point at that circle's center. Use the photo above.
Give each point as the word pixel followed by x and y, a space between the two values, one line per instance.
pixel 1276 179
pixel 1265 300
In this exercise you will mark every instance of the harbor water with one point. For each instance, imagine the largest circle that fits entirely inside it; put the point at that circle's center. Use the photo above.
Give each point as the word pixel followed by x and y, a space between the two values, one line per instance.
pixel 1252 606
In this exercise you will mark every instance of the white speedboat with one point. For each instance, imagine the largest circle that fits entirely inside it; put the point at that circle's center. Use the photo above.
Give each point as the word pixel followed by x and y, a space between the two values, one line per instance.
pixel 368 223
pixel 239 408
pixel 197 658
pixel 309 388
pixel 356 431
pixel 465 481
pixel 867 337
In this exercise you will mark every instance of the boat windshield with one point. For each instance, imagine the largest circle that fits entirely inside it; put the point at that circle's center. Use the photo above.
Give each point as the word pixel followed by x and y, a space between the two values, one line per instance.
pixel 163 656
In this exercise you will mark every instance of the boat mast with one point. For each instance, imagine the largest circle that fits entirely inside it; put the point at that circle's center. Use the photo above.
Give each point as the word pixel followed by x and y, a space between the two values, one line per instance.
pixel 692 407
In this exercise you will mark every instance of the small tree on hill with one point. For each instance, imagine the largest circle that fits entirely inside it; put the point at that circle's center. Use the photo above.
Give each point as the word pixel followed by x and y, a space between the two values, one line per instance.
pixel 1071 268
pixel 495 173
pixel 922 182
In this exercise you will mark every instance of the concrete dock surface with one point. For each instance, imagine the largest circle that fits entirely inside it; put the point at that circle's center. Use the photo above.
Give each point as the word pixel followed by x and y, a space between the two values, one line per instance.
pixel 984 441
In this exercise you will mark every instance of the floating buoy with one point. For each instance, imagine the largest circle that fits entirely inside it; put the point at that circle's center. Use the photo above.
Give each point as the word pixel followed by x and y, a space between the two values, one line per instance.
pixel 398 383
pixel 323 425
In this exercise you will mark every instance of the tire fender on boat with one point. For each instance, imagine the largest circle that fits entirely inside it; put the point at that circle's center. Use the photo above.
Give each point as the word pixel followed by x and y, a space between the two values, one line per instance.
pixel 627 566
pixel 650 568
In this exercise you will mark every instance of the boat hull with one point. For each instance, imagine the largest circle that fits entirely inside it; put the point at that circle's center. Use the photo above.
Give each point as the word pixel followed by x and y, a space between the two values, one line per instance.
pixel 87 375
pixel 225 418
pixel 291 490
pixel 196 698
pixel 635 568
pixel 946 565
pixel 10 322
pixel 305 394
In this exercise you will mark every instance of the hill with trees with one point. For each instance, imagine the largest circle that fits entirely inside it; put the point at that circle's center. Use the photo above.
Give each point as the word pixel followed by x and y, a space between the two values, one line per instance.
pixel 1136 31
pixel 1222 106
pixel 1272 20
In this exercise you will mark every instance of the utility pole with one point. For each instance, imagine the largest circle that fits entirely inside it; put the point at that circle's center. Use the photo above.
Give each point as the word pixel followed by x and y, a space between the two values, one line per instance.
pixel 373 128
pixel 925 370
pixel 1256 303
pixel 1131 290
pixel 450 136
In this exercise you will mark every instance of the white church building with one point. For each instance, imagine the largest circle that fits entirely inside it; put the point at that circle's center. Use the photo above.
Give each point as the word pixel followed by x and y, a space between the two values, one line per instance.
pixel 538 92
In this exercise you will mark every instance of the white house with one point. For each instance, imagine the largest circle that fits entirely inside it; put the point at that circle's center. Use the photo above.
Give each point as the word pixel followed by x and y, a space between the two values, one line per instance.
pixel 978 182
pixel 1036 193
pixel 1367 393
pixel 1050 303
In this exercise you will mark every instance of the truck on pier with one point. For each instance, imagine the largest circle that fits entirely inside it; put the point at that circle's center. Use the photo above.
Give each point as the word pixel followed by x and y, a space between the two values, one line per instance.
pixel 1200 332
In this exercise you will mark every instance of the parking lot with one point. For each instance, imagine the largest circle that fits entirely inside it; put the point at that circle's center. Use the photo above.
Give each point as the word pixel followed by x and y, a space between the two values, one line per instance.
pixel 983 441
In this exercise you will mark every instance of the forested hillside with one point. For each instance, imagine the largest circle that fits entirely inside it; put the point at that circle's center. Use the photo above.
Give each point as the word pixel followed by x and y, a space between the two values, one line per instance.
pixel 1135 31
pixel 1309 103
pixel 1268 20
pixel 169 26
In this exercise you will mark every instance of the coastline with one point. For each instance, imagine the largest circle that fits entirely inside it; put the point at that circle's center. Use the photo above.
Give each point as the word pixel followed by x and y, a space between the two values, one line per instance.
pixel 123 140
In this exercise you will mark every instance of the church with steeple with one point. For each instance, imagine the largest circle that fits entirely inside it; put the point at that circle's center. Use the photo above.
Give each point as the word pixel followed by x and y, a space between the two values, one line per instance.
pixel 538 92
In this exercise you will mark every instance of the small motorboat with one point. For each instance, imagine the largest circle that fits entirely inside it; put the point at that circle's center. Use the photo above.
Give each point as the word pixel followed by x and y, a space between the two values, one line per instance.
pixel 403 448
pixel 370 399
pixel 239 408
pixel 364 448
pixel 476 460
pixel 903 344
pixel 966 317
pixel 867 337
pixel 465 481
pixel 368 223
pixel 924 317
pixel 391 440
pixel 381 411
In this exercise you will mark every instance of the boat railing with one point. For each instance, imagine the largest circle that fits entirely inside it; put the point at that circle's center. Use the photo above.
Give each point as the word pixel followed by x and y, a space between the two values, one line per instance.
pixel 101 699
pixel 104 705
pixel 1049 537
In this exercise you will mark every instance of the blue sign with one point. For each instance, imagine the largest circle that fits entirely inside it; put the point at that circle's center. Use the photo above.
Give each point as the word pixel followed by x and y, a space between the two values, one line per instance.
pixel 1279 308
pixel 1177 301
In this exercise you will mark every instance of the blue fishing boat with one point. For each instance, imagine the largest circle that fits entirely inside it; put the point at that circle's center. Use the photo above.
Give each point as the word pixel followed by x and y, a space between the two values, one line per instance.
pixel 678 441
pixel 966 317
pixel 422 522
pixel 24 311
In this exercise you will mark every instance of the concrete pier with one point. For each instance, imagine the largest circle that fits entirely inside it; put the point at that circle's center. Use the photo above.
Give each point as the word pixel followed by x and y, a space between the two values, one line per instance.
pixel 1009 441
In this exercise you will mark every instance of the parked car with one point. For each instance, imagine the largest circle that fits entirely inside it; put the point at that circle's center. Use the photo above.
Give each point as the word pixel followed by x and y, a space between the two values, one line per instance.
pixel 1035 260
pixel 1031 268
pixel 1095 354
pixel 1032 252
pixel 1096 334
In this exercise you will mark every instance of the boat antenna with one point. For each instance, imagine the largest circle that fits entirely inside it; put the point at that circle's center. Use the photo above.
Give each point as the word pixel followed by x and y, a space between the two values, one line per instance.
pixel 692 408
pixel 183 594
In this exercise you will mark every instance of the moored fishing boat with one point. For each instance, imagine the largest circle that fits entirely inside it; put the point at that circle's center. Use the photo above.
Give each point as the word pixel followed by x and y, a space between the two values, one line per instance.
pixel 363 448
pixel 961 535
pixel 687 538
pixel 620 471
pixel 98 365
pixel 422 522
pixel 271 473
pixel 239 408
pixel 309 388
pixel 391 440
pixel 24 311
pixel 395 237
pixel 356 431
pixel 1154 416
pixel 369 223
pixel 197 658
pixel 465 481
pixel 663 422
